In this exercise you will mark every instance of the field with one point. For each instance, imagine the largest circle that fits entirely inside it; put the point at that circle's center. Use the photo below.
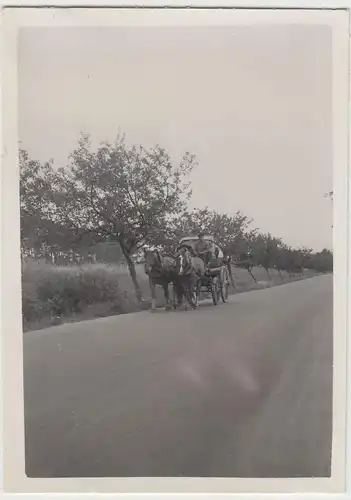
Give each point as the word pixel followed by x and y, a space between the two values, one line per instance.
pixel 52 295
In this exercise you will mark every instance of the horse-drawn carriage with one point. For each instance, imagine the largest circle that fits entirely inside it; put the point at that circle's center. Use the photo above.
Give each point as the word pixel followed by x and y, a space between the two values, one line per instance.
pixel 189 272
pixel 216 277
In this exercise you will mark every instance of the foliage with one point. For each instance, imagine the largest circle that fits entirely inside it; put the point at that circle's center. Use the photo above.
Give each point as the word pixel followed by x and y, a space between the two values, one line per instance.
pixel 117 193
pixel 322 262
pixel 57 294
pixel 107 203
pixel 227 230
pixel 53 292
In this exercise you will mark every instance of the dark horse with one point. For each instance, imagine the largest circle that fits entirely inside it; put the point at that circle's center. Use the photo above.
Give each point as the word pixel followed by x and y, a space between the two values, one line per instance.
pixel 189 270
pixel 161 271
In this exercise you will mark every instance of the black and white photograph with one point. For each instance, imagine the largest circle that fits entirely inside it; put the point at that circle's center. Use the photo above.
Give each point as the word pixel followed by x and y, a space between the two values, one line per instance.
pixel 176 247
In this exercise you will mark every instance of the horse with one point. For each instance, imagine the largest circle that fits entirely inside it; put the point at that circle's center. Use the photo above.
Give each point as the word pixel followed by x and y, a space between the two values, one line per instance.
pixel 189 270
pixel 161 271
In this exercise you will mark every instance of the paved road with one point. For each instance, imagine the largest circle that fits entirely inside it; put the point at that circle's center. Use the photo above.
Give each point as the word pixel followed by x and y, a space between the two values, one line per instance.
pixel 243 389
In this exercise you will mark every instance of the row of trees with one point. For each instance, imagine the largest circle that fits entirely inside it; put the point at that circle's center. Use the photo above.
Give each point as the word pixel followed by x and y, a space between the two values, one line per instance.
pixel 120 198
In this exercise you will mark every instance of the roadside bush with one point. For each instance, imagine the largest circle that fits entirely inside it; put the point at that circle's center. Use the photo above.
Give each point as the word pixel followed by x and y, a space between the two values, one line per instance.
pixel 57 294
pixel 54 292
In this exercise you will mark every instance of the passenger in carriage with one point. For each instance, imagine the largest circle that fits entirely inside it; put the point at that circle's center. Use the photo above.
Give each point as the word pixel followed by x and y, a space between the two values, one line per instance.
pixel 216 256
pixel 203 249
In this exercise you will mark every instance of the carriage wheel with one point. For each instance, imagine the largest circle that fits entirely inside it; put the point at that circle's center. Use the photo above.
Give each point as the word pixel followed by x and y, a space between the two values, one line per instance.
pixel 224 284
pixel 214 291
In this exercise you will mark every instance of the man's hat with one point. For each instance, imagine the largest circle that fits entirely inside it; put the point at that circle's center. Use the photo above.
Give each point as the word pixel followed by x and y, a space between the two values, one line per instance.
pixel 201 233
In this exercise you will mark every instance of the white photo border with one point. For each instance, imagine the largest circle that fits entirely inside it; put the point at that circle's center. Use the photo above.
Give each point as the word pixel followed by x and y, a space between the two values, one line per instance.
pixel 14 479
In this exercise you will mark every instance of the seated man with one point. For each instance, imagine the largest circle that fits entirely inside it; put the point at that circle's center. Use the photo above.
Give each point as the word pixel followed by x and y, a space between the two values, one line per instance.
pixel 216 257
pixel 203 249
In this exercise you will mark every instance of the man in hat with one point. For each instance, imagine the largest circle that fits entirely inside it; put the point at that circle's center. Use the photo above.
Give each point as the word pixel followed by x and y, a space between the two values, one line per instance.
pixel 203 248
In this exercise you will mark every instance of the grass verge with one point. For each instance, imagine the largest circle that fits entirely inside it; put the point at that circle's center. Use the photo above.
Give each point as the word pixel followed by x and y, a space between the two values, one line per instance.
pixel 53 295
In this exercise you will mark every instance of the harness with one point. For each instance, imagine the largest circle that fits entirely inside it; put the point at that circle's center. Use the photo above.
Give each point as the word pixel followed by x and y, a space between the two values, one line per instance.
pixel 158 269
pixel 188 268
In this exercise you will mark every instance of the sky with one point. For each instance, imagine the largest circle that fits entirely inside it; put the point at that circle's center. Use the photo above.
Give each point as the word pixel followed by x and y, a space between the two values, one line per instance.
pixel 253 103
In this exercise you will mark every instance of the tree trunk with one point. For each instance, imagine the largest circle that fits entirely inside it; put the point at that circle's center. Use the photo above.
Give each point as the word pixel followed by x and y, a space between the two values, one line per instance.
pixel 231 276
pixel 132 272
pixel 251 274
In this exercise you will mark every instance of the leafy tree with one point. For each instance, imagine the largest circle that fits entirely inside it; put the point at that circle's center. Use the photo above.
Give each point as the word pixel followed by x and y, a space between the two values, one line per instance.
pixel 244 255
pixel 321 262
pixel 117 193
pixel 109 202
pixel 227 230
pixel 40 235
pixel 245 261
pixel 306 255
pixel 266 250
pixel 292 261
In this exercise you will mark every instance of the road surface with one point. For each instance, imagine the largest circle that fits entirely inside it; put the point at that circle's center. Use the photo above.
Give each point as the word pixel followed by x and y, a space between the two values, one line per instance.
pixel 243 389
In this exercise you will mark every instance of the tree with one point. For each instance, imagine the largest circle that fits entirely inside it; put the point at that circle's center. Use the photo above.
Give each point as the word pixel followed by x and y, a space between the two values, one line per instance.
pixel 266 250
pixel 117 193
pixel 227 230
pixel 245 260
pixel 43 235
pixel 321 262
pixel 244 254
pixel 306 256
pixel 291 260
